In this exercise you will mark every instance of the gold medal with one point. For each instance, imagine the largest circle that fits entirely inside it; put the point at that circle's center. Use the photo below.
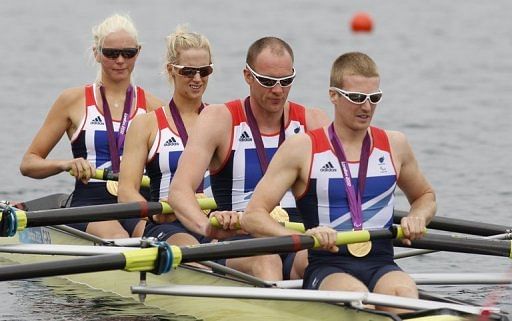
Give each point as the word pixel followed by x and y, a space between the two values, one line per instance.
pixel 112 187
pixel 359 249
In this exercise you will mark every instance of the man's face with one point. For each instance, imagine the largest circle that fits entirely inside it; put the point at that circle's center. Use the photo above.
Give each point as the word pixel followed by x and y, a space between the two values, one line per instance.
pixel 268 64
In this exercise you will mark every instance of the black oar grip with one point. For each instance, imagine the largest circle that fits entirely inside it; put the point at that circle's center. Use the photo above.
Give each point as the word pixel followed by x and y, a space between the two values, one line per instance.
pixel 93 213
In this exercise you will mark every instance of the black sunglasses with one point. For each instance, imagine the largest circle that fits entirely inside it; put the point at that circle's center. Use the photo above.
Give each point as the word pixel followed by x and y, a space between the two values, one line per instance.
pixel 113 53
pixel 270 82
pixel 359 98
pixel 190 72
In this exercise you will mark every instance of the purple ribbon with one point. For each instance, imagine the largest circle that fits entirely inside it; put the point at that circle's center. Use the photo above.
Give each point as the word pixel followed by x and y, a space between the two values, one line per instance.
pixel 182 130
pixel 258 141
pixel 114 145
pixel 354 199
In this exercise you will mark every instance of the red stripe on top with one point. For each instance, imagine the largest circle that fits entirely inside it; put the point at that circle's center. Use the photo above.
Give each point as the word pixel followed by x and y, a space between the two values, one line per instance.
pixel 160 118
pixel 89 96
pixel 141 98
pixel 319 140
pixel 143 209
pixel 298 112
pixel 380 139
pixel 297 244
pixel 237 112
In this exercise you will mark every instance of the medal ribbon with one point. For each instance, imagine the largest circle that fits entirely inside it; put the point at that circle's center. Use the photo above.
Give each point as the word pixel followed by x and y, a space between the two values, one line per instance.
pixel 115 145
pixel 354 199
pixel 182 130
pixel 258 141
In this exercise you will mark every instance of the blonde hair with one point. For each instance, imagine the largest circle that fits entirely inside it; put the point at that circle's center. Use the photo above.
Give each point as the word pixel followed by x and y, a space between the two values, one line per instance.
pixel 352 63
pixel 180 40
pixel 114 23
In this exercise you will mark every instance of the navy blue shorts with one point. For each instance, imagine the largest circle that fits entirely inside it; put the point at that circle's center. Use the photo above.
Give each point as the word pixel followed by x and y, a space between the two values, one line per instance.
pixel 96 193
pixel 164 231
pixel 368 269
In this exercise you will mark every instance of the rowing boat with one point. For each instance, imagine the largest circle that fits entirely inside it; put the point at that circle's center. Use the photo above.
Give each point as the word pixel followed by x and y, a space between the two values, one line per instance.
pixel 207 295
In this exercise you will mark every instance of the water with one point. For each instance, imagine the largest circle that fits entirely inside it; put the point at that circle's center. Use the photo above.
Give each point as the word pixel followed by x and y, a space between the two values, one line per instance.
pixel 445 70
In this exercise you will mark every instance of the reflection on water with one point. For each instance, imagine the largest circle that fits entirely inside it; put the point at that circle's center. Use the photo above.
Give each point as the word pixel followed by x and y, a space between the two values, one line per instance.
pixel 39 299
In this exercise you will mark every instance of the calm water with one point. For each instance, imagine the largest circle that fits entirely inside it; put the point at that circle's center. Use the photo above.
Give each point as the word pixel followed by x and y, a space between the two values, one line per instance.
pixel 445 75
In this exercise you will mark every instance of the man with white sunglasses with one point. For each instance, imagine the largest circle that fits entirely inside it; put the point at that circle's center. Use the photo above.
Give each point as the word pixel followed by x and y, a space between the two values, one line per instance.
pixel 344 177
pixel 236 141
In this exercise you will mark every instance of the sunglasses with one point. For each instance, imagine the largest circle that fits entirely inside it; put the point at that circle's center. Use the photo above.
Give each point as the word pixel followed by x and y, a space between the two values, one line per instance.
pixel 270 82
pixel 190 72
pixel 113 53
pixel 359 98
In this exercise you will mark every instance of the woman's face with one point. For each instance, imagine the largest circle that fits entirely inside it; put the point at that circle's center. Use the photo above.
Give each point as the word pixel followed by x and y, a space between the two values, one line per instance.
pixel 117 65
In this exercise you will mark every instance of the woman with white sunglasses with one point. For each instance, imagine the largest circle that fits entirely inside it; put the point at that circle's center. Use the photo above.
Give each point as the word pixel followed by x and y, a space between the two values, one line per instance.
pixel 156 140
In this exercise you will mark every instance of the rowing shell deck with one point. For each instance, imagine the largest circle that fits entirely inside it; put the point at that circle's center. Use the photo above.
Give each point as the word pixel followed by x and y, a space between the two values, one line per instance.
pixel 200 304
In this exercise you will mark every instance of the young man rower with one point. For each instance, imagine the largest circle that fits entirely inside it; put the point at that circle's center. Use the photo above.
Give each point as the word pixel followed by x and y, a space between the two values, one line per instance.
pixel 317 166
pixel 235 141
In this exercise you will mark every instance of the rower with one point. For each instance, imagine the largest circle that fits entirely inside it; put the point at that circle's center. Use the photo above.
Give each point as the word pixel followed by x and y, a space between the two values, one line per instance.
pixel 95 118
pixel 235 141
pixel 343 177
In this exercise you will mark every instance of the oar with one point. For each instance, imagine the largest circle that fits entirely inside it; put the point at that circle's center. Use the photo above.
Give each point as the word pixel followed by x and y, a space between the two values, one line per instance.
pixel 438 223
pixel 459 225
pixel 109 175
pixel 160 259
pixel 463 244
pixel 90 213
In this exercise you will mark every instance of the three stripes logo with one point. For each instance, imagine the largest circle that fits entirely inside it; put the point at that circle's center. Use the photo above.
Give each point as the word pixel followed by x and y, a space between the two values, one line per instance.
pixel 328 167
pixel 171 142
pixel 245 137
pixel 97 121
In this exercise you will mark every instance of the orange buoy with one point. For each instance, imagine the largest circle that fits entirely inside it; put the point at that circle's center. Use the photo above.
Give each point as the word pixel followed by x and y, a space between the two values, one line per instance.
pixel 362 22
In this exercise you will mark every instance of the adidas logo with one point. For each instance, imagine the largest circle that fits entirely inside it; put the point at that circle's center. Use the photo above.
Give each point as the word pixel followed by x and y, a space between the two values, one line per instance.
pixel 245 137
pixel 328 168
pixel 97 121
pixel 171 142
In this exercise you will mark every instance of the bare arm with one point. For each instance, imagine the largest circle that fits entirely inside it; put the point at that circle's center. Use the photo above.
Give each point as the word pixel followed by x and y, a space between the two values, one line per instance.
pixel 206 145
pixel 138 141
pixel 316 118
pixel 289 168
pixel 415 186
pixel 64 116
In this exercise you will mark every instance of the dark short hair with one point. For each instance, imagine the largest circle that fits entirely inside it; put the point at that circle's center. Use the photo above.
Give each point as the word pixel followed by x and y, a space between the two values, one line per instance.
pixel 276 45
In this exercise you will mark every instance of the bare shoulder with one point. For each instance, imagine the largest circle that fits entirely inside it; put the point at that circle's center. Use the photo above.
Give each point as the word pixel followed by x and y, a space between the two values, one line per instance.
pixel 316 118
pixel 70 97
pixel 215 115
pixel 400 147
pixel 299 144
pixel 152 102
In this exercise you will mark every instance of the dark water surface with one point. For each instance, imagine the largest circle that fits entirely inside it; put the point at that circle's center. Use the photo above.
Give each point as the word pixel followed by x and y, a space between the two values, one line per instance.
pixel 446 72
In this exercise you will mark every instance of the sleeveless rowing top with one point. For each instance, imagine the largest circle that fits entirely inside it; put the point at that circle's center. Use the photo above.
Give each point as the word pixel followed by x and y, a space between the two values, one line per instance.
pixel 325 200
pixel 163 157
pixel 233 184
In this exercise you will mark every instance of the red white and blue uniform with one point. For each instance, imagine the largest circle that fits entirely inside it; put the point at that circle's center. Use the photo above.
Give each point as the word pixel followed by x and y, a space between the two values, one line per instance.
pixel 90 141
pixel 325 203
pixel 233 184
pixel 161 166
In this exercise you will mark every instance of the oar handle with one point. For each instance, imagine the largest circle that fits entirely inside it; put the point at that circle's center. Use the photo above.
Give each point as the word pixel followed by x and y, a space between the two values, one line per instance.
pixel 109 175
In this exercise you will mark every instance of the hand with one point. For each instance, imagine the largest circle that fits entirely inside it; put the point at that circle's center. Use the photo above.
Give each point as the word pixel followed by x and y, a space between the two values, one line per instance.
pixel 81 169
pixel 413 228
pixel 326 236
pixel 229 225
pixel 228 220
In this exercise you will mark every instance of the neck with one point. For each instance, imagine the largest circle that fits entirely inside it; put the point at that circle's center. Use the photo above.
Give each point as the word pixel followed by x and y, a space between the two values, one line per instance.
pixel 187 105
pixel 268 121
pixel 348 135
pixel 116 88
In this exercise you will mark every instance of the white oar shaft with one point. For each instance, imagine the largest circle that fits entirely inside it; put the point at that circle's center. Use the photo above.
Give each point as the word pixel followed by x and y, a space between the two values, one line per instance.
pixel 354 298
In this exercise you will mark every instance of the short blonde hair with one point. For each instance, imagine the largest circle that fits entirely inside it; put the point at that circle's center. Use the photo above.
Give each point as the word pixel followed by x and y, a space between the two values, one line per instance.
pixel 180 40
pixel 115 22
pixel 352 63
